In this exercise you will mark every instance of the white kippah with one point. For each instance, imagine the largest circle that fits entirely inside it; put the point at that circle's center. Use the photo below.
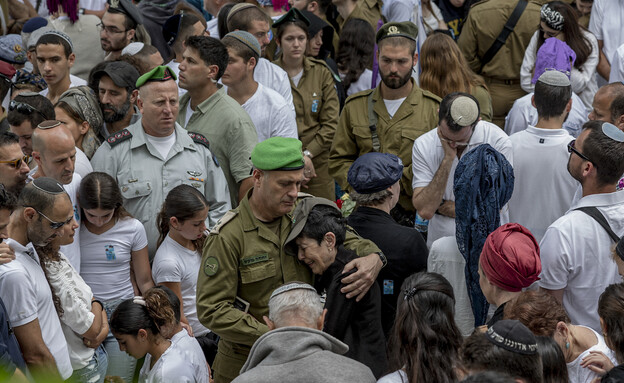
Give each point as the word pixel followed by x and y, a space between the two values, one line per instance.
pixel 464 111
pixel 554 78
pixel 291 286
pixel 132 49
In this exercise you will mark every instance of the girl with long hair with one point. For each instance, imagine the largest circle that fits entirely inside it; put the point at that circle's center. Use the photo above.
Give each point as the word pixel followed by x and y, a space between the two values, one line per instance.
pixel 444 70
pixel 78 108
pixel 559 20
pixel 356 48
pixel 424 342
pixel 141 326
pixel 113 246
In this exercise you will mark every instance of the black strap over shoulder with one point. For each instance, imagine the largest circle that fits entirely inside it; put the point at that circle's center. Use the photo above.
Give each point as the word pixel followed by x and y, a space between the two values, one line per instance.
pixel 372 123
pixel 597 215
pixel 507 29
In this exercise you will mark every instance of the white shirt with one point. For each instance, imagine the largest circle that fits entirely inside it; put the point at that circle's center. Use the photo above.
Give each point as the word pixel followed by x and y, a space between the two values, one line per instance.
pixel 578 374
pixel 363 82
pixel 175 263
pixel 27 296
pixel 607 18
pixel 270 114
pixel 576 256
pixel 427 155
pixel 398 376
pixel 75 296
pixel 94 5
pixel 177 364
pixel 212 26
pixel 399 10
pixel 523 114
pixel 106 258
pixel 393 105
pixel 162 144
pixel 82 165
pixel 73 82
pixel 72 251
pixel 274 77
pixel 543 187
pixel 175 67
pixel 617 66
pixel 446 259
pixel 583 83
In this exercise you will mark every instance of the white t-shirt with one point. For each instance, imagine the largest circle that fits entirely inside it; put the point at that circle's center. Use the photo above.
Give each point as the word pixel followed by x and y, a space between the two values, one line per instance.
pixel 73 82
pixel 393 105
pixel 72 251
pixel 523 114
pixel 398 376
pixel 27 296
pixel 75 296
pixel 296 78
pixel 446 259
pixel 178 363
pixel 270 114
pixel 543 187
pixel 576 256
pixel 162 144
pixel 106 258
pixel 607 18
pixel 94 5
pixel 274 77
pixel 578 374
pixel 212 26
pixel 617 66
pixel 82 165
pixel 427 155
pixel 175 263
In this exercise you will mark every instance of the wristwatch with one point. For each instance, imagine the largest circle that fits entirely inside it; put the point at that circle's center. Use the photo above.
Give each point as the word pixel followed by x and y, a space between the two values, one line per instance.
pixel 384 260
pixel 307 153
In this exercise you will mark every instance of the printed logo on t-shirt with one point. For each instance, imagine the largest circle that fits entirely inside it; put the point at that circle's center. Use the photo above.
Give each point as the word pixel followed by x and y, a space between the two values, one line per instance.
pixel 76 213
pixel 388 287
pixel 110 252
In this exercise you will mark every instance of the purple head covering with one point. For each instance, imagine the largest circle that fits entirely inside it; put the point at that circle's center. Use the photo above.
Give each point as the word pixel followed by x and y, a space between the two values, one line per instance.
pixel 553 54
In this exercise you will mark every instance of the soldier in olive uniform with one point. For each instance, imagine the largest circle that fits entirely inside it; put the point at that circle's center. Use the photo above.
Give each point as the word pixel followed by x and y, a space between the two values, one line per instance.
pixel 483 25
pixel 244 258
pixel 388 118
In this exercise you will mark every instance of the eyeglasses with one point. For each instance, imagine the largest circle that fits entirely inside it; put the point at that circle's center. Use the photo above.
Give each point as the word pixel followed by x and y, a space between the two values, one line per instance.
pixel 456 143
pixel 17 163
pixel 24 108
pixel 572 149
pixel 110 29
pixel 53 224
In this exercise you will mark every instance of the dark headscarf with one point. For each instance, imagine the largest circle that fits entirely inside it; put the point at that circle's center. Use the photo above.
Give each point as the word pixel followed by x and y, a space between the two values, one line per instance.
pixel 483 184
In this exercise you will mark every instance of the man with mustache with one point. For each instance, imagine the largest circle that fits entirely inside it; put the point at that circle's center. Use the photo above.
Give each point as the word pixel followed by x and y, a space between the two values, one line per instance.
pixel 114 83
pixel 388 118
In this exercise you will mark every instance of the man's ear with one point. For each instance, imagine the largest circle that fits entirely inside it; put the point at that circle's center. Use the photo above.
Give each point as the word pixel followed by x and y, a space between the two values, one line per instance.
pixel 37 156
pixel 29 214
pixel 269 323
pixel 71 59
pixel 134 96
pixel 312 6
pixel 320 322
pixel 533 101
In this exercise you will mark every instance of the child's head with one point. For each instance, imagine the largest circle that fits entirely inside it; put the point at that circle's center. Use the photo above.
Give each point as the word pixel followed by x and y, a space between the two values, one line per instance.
pixel 185 211
pixel 100 199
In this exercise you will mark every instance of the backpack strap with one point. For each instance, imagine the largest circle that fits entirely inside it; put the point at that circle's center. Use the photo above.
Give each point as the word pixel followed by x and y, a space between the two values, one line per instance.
pixel 602 221
pixel 372 123
pixel 507 29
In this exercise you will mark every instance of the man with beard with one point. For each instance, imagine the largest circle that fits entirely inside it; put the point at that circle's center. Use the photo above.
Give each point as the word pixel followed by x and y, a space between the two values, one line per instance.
pixel 119 27
pixel 388 118
pixel 13 164
pixel 576 250
pixel 114 83
pixel 43 210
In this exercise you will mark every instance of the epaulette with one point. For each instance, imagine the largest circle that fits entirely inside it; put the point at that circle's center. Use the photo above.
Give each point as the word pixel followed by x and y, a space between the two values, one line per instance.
pixel 227 217
pixel 200 139
pixel 363 93
pixel 118 137
pixel 431 95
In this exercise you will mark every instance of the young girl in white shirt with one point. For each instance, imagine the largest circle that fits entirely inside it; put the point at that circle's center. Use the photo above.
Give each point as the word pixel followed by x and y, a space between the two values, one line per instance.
pixel 113 247
pixel 182 227
pixel 137 324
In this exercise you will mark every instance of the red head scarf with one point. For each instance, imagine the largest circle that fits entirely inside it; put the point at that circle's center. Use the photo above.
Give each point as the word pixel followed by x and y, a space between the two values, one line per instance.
pixel 510 258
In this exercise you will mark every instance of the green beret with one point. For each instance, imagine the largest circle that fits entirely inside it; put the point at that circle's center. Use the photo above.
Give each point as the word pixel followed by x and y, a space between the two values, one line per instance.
pixel 278 153
pixel 160 73
pixel 290 17
pixel 405 29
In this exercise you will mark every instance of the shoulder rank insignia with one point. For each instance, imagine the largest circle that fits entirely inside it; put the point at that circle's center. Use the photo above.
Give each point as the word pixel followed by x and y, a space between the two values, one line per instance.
pixel 227 217
pixel 199 139
pixel 118 137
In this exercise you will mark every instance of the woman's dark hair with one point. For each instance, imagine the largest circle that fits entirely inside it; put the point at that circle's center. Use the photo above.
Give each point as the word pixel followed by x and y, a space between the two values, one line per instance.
pixel 99 190
pixel 50 253
pixel 324 219
pixel 425 340
pixel 489 377
pixel 356 48
pixel 573 32
pixel 610 309
pixel 182 202
pixel 222 18
pixel 150 312
pixel 554 366
pixel 297 23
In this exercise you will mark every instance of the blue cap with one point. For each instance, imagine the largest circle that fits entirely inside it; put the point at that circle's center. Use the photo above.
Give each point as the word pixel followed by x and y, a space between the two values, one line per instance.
pixel 33 24
pixel 11 49
pixel 374 172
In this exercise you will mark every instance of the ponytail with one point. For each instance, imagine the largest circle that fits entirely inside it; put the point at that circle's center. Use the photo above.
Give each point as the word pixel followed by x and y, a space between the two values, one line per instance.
pixel 150 312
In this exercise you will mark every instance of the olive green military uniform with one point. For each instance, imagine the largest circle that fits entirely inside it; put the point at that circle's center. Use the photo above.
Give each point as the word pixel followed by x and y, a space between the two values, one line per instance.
pixel 369 10
pixel 417 115
pixel 317 107
pixel 244 258
pixel 484 23
pixel 485 102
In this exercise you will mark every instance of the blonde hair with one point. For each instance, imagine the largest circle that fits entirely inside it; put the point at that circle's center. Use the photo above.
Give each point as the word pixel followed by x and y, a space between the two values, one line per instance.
pixel 444 68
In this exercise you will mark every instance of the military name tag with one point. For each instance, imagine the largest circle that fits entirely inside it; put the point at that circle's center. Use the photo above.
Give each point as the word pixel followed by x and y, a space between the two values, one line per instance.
pixel 255 259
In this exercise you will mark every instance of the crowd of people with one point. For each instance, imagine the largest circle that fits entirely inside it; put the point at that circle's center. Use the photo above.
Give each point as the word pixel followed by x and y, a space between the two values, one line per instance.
pixel 312 190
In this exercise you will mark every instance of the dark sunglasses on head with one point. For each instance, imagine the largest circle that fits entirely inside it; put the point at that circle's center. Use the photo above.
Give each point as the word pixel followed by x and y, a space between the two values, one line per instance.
pixel 24 108
pixel 18 162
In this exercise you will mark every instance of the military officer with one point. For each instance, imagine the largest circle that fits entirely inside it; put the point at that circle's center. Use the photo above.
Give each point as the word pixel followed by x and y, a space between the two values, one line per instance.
pixel 244 258
pixel 388 118
pixel 483 25
pixel 155 154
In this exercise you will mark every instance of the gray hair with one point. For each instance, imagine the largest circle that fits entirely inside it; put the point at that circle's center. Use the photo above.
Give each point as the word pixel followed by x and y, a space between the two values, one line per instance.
pixel 300 305
pixel 371 199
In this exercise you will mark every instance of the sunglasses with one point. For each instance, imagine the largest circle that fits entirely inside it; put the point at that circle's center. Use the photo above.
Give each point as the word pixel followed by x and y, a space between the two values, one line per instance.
pixel 24 108
pixel 572 149
pixel 17 163
pixel 54 225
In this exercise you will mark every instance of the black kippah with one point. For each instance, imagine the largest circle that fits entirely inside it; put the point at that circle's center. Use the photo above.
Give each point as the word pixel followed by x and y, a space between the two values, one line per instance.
pixel 513 336
pixel 48 185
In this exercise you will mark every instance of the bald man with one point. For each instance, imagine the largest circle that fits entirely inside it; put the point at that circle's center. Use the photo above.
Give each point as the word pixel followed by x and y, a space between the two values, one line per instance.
pixel 55 154
pixel 601 106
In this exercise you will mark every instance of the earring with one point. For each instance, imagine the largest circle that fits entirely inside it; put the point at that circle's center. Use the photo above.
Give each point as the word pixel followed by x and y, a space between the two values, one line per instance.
pixel 567 345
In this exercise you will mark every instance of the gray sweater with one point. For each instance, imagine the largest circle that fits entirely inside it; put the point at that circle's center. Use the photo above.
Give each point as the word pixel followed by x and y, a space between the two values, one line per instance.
pixel 301 354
